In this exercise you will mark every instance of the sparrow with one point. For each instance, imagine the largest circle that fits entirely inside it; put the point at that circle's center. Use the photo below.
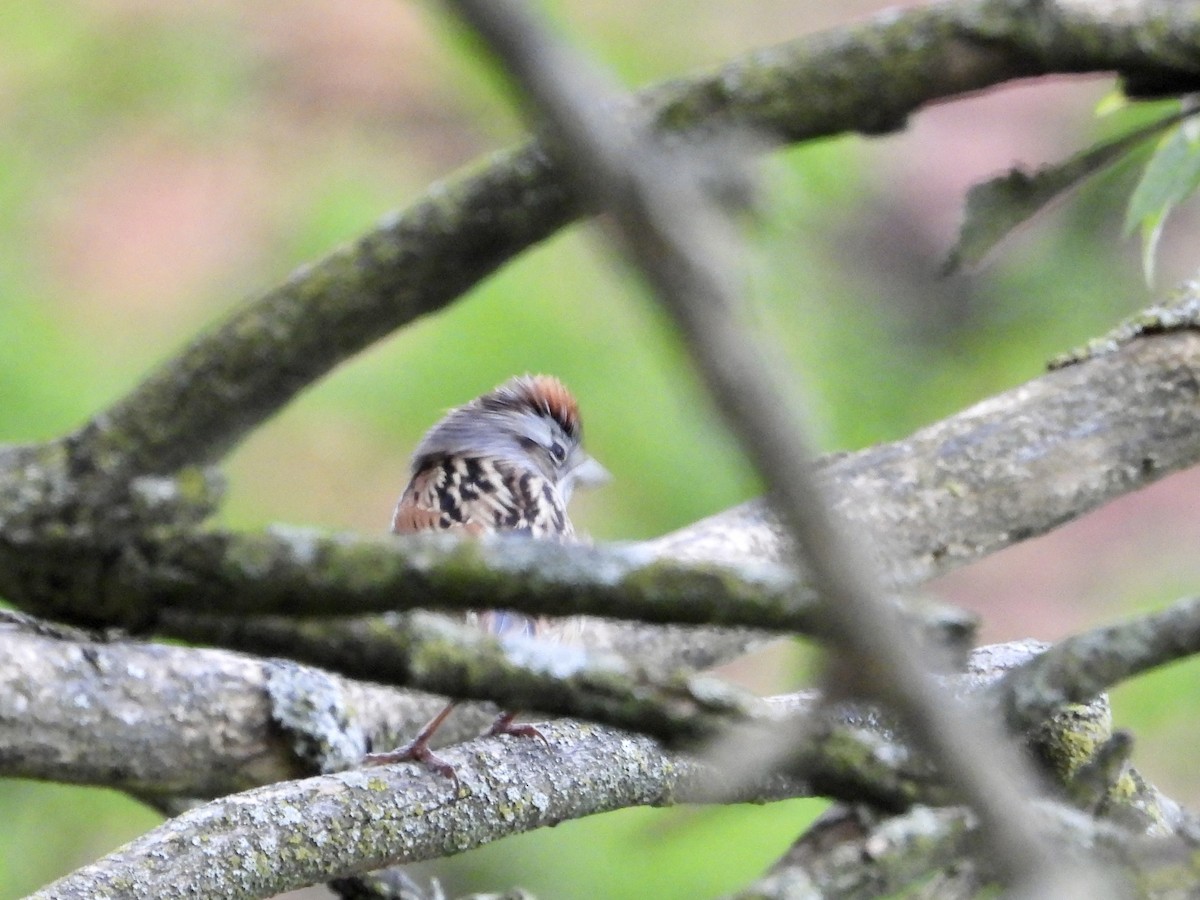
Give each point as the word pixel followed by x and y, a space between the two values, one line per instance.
pixel 505 463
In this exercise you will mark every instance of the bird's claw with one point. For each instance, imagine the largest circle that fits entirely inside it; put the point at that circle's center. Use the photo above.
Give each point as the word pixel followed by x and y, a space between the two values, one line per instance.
pixel 505 725
pixel 415 751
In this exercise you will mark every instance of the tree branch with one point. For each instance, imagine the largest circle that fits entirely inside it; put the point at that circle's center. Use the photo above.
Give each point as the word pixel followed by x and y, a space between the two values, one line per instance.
pixel 867 77
pixel 407 813
pixel 1014 466
pixel 852 853
pixel 162 721
pixel 210 722
pixel 1081 667
pixel 356 821
pixel 434 654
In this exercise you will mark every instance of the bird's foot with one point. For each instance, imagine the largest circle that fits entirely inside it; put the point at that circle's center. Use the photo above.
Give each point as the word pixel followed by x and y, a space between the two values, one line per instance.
pixel 504 724
pixel 415 751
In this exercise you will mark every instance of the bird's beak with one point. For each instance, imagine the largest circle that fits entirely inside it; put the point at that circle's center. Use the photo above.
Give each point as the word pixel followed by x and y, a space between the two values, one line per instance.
pixel 586 472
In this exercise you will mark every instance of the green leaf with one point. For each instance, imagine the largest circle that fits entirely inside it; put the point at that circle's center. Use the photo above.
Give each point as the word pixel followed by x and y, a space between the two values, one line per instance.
pixel 995 208
pixel 1170 177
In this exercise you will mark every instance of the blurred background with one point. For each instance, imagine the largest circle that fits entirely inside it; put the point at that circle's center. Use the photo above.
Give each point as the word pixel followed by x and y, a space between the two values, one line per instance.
pixel 162 161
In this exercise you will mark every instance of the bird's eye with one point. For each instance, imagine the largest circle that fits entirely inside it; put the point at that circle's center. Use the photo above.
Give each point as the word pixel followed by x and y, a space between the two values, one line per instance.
pixel 558 451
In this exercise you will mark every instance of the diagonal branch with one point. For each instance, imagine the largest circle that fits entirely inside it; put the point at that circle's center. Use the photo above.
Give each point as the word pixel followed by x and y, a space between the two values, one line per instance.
pixel 1083 666
pixel 867 77
pixel 352 822
pixel 686 249
pixel 1012 467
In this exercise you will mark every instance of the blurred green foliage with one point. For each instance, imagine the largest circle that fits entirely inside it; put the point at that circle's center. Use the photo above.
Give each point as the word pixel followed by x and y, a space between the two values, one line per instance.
pixel 292 128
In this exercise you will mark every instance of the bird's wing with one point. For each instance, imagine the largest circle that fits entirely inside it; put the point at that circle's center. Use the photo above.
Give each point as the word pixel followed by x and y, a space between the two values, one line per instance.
pixel 431 503
pixel 481 496
pixel 410 518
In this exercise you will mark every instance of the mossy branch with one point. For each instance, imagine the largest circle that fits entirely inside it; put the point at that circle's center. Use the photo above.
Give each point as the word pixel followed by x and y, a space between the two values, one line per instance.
pixel 434 654
pixel 1083 666
pixel 866 77
pixel 1012 467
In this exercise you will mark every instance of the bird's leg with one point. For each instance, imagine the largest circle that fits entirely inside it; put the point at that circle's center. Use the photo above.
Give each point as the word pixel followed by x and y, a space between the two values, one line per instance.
pixel 504 725
pixel 418 749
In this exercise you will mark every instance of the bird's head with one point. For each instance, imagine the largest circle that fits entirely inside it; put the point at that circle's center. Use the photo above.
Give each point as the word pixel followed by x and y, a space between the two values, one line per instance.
pixel 531 422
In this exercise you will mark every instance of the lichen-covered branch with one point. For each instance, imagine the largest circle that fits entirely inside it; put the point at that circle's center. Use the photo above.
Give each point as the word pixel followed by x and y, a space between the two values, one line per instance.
pixel 434 654
pixel 306 573
pixel 227 381
pixel 296 572
pixel 211 722
pixel 1009 468
pixel 831 860
pixel 355 821
pixel 866 77
pixel 1081 667
pixel 163 721
pixel 1131 826
pixel 852 852
pixel 340 824
pixel 160 720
